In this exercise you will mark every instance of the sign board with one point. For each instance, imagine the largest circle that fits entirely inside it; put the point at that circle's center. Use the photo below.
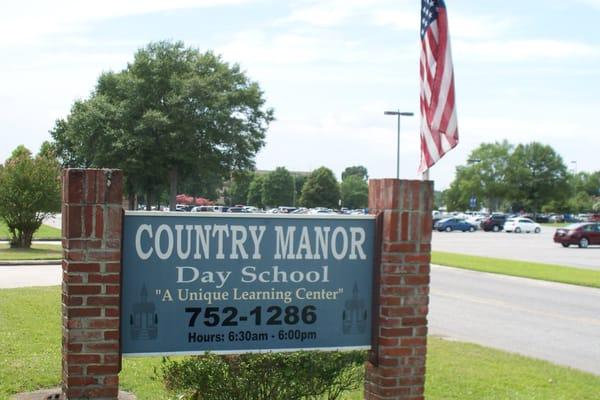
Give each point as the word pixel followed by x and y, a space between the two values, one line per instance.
pixel 234 283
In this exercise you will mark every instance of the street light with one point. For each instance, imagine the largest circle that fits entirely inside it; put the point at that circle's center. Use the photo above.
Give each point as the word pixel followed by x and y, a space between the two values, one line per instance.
pixel 575 164
pixel 398 113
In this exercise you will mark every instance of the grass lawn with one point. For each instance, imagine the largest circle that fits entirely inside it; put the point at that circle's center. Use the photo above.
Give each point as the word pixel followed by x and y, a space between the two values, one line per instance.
pixel 45 232
pixel 36 252
pixel 546 272
pixel 30 339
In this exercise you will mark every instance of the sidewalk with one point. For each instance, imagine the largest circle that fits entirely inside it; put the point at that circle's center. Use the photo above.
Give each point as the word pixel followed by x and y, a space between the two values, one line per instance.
pixel 13 263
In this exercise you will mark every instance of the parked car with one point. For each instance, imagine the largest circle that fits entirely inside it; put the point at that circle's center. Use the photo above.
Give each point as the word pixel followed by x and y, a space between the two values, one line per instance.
pixel 450 224
pixel 582 234
pixel 521 224
pixel 494 222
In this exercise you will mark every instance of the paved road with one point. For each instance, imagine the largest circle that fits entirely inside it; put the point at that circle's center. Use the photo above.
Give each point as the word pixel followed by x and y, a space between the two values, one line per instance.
pixel 517 246
pixel 556 322
pixel 29 275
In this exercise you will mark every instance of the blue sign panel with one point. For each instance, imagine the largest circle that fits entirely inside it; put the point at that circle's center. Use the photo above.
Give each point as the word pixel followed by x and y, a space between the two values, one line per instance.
pixel 193 283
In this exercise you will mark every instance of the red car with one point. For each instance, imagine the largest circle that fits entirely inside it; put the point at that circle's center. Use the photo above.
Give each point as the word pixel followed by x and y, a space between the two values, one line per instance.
pixel 582 234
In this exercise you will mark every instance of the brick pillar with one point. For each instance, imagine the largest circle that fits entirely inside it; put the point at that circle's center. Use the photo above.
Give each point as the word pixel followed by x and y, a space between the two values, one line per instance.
pixel 396 369
pixel 91 236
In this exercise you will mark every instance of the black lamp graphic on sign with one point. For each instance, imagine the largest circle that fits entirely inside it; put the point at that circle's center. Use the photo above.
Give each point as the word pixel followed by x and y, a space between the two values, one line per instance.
pixel 143 321
pixel 354 317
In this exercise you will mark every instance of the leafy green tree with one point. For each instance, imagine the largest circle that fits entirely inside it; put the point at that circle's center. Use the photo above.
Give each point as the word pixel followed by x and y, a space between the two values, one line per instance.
pixel 29 192
pixel 255 191
pixel 537 175
pixel 484 177
pixel 357 170
pixel 173 113
pixel 238 187
pixel 321 189
pixel 299 180
pixel 355 192
pixel 278 188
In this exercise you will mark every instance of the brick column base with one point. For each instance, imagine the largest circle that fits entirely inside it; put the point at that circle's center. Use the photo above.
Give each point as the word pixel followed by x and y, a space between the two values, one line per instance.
pixel 396 369
pixel 91 238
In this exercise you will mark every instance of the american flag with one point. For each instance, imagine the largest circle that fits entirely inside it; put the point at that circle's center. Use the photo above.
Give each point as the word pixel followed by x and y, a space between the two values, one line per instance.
pixel 439 132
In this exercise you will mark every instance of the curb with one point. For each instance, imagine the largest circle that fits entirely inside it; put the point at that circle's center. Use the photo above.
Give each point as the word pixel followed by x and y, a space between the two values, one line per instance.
pixel 13 263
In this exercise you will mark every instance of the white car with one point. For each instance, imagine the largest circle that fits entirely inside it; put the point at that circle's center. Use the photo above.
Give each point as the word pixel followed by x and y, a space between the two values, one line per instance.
pixel 520 224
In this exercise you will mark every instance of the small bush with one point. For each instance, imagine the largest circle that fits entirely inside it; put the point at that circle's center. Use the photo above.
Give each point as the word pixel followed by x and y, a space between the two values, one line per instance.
pixel 264 376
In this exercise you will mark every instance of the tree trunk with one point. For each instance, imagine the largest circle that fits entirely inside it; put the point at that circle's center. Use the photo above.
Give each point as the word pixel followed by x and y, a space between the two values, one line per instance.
pixel 149 201
pixel 21 239
pixel 131 201
pixel 173 188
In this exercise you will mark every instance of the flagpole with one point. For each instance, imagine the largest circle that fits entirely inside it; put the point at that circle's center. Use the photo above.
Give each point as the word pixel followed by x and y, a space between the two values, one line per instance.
pixel 425 176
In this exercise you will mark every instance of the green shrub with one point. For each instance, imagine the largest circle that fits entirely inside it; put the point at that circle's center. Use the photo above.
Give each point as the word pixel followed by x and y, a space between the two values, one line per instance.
pixel 264 376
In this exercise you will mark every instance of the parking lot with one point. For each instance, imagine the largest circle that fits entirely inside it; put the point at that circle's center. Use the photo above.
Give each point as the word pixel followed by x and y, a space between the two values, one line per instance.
pixel 518 246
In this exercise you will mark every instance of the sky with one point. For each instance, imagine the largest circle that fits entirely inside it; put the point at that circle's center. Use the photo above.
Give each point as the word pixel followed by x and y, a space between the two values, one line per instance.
pixel 524 71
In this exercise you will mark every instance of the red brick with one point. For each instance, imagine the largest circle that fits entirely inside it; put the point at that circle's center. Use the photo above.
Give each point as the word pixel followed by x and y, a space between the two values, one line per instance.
pixel 73 185
pixel 111 380
pixel 104 323
pixel 83 312
pixel 416 321
pixel 102 301
pixel 72 301
pixel 82 267
pixel 112 359
pixel 84 289
pixel 113 268
pixel 88 221
pixel 81 381
pixel 99 214
pixel 83 358
pixel 104 278
pixel 72 278
pixel 113 289
pixel 404 227
pixel 115 219
pixel 391 280
pixel 421 258
pixel 102 392
pixel 111 335
pixel 101 347
pixel 399 247
pixel 104 255
pixel 397 311
pixel 416 280
pixel 73 221
pixel 102 369
pixel 111 312
pixel 81 336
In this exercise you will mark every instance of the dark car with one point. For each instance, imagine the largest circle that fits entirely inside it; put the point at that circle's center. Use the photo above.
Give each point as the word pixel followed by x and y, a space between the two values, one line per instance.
pixel 494 222
pixel 582 234
pixel 450 224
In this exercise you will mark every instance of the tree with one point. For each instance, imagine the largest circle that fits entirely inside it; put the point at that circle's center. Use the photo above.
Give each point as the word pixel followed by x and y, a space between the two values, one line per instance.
pixel 29 192
pixel 321 189
pixel 238 188
pixel 173 113
pixel 537 175
pixel 355 192
pixel 357 170
pixel 484 178
pixel 255 191
pixel 278 188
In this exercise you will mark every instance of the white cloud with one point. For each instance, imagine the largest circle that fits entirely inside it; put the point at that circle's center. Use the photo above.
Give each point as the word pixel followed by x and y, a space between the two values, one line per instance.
pixel 30 21
pixel 522 50
pixel 328 13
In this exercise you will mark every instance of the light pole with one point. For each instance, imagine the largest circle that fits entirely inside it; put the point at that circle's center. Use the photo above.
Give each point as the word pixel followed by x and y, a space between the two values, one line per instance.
pixel 398 113
pixel 575 168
